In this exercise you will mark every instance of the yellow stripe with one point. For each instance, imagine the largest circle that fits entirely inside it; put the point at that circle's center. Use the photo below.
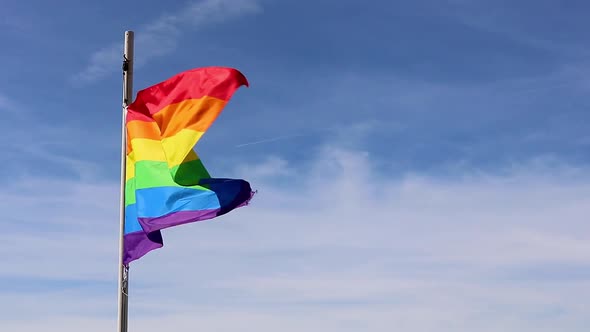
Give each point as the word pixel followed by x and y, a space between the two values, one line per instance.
pixel 178 146
pixel 129 169
pixel 173 150
pixel 146 149
pixel 130 165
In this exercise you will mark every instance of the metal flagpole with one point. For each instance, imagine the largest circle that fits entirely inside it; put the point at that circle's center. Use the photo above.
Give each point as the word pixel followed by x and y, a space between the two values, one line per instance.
pixel 127 98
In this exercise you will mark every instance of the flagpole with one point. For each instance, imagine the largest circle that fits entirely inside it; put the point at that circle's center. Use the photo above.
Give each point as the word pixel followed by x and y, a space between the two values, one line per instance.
pixel 123 286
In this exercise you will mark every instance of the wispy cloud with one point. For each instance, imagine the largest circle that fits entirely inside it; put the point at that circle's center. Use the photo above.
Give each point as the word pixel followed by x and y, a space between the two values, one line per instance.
pixel 349 248
pixel 15 23
pixel 10 106
pixel 160 36
pixel 55 146
pixel 507 21
pixel 5 104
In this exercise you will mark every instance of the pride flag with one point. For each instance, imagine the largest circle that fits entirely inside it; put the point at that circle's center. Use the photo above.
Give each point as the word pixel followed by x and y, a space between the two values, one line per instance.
pixel 166 182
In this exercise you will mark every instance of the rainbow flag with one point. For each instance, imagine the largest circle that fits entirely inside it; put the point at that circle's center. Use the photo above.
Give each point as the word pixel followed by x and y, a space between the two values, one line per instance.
pixel 166 182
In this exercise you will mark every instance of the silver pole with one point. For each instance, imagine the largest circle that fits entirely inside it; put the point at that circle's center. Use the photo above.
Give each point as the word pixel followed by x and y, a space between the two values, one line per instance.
pixel 127 98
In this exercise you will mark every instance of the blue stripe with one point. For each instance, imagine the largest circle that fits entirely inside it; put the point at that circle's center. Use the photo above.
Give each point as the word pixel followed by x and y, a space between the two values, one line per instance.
pixel 160 201
pixel 131 222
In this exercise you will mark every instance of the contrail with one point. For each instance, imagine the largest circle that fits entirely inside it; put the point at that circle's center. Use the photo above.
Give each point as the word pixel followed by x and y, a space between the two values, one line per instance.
pixel 278 138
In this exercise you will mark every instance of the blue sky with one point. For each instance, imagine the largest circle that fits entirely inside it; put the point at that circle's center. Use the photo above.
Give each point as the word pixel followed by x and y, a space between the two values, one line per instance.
pixel 421 165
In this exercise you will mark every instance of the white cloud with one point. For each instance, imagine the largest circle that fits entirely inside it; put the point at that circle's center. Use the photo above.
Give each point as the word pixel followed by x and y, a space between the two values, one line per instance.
pixel 159 37
pixel 335 247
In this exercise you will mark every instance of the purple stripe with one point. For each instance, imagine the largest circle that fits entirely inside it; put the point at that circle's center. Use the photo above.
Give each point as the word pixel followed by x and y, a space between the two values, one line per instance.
pixel 139 243
pixel 247 201
pixel 175 218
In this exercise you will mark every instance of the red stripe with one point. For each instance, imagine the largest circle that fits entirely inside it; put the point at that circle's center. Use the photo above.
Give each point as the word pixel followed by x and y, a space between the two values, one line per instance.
pixel 132 116
pixel 218 82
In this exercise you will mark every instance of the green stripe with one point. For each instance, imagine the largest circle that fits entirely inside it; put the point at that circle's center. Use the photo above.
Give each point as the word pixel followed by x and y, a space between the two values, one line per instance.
pixel 149 174
pixel 189 173
pixel 130 191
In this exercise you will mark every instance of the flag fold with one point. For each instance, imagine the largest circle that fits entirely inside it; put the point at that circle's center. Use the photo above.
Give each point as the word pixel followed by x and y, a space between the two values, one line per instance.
pixel 166 183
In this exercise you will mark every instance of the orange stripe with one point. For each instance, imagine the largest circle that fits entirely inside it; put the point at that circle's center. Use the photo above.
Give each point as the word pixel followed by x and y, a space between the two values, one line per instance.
pixel 194 114
pixel 141 129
